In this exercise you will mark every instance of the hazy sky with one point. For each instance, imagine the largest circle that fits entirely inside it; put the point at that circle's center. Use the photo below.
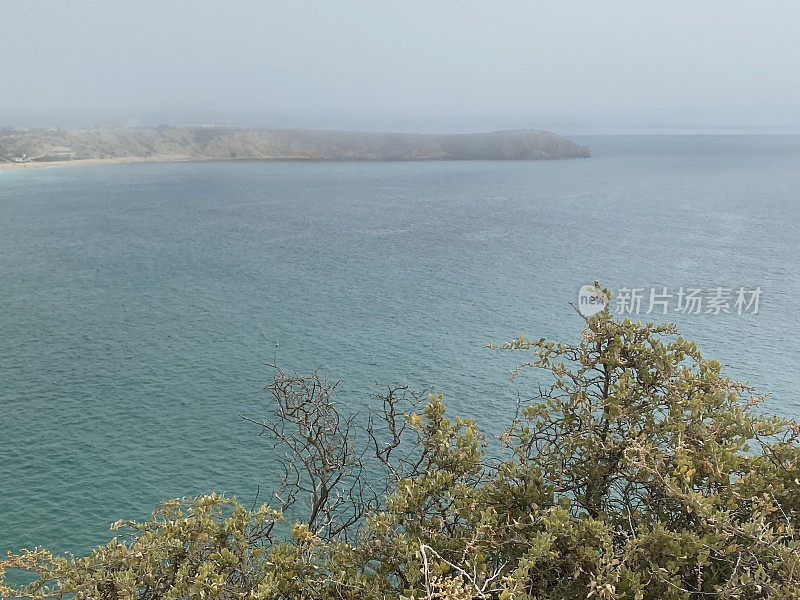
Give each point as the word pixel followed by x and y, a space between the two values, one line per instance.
pixel 570 66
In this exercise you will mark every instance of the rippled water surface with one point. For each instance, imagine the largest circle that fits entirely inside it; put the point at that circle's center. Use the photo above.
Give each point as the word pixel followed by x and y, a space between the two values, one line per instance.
pixel 140 303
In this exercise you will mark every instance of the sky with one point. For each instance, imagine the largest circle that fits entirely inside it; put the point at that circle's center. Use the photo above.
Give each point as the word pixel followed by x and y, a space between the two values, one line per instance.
pixel 580 66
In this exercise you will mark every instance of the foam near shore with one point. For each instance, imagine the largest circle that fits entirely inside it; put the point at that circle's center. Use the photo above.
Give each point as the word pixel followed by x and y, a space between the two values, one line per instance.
pixel 15 166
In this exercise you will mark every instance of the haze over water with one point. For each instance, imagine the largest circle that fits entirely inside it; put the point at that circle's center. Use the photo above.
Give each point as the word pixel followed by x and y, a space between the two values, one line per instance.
pixel 140 302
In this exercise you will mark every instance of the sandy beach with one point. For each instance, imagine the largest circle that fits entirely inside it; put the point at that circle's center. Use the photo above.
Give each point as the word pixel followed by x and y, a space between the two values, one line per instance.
pixel 93 161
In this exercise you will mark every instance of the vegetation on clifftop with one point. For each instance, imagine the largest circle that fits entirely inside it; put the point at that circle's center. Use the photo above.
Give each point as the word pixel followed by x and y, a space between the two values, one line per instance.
pixel 640 473
pixel 224 144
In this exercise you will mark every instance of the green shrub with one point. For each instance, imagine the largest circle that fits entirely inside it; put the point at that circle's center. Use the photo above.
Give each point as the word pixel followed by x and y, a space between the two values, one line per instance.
pixel 641 473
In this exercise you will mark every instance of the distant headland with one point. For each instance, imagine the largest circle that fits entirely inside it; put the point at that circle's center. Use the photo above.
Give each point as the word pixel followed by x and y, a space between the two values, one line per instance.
pixel 22 148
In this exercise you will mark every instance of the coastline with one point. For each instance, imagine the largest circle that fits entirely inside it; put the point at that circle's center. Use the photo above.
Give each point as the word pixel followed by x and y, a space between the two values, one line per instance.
pixel 95 161
pixel 171 159
pixel 170 144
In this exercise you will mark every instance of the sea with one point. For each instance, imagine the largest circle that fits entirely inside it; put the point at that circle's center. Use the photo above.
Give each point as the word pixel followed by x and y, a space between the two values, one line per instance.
pixel 141 304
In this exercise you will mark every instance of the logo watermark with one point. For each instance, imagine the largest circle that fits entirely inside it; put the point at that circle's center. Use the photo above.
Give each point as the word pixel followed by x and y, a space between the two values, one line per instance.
pixel 591 300
pixel 664 300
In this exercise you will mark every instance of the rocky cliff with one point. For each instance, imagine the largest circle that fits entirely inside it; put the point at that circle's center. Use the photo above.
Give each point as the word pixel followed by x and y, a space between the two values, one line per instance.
pixel 175 142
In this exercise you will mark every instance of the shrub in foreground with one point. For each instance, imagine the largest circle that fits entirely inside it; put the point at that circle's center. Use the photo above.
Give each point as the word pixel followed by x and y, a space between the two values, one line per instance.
pixel 640 473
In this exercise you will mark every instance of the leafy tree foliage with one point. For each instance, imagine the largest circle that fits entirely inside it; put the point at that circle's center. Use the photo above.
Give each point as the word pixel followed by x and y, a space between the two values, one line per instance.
pixel 640 473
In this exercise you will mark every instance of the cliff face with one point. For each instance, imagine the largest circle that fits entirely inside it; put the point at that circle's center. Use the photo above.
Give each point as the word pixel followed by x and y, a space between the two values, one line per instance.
pixel 166 142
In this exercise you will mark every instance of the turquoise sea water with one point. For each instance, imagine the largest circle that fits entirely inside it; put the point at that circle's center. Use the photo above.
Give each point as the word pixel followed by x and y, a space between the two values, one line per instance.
pixel 139 303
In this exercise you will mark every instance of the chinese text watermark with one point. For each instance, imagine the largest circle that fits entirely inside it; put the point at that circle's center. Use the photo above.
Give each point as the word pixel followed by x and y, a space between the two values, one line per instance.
pixel 664 300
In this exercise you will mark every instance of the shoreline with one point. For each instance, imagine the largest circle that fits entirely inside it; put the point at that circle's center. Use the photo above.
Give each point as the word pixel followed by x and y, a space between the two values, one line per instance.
pixel 170 159
pixel 13 166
